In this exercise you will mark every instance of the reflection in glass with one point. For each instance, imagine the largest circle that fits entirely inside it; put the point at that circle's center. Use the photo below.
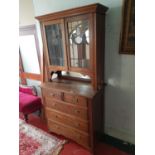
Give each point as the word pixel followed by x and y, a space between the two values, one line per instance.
pixel 79 43
pixel 55 46
pixel 75 74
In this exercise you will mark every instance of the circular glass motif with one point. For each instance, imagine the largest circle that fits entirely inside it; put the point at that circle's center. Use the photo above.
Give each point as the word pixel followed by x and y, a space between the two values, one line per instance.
pixel 79 36
pixel 78 39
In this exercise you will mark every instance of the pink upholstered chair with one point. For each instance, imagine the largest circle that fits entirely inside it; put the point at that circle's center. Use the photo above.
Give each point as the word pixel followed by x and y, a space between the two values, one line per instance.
pixel 29 102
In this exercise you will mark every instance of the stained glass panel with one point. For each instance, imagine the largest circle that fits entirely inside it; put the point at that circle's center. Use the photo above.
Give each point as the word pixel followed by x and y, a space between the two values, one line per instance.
pixel 55 45
pixel 79 43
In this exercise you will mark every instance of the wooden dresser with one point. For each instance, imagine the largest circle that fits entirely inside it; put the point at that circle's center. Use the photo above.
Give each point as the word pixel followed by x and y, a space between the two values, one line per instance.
pixel 73 72
pixel 73 110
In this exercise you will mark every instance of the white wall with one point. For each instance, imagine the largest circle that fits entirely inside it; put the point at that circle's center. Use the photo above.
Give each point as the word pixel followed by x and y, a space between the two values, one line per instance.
pixel 26 13
pixel 119 74
pixel 119 69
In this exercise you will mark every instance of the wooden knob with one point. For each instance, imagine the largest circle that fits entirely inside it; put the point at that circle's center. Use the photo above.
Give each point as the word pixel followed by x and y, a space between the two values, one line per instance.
pixel 54 104
pixel 75 100
pixel 77 111
pixel 52 94
pixel 78 124
pixel 57 127
pixel 79 136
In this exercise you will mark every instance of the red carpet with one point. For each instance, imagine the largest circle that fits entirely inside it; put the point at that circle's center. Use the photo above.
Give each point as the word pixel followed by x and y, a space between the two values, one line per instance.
pixel 72 148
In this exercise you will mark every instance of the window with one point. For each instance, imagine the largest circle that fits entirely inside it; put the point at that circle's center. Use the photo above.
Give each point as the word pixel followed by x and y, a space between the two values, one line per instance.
pixel 29 55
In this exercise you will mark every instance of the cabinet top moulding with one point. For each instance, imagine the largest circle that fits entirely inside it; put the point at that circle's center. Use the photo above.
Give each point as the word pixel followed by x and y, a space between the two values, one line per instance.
pixel 98 8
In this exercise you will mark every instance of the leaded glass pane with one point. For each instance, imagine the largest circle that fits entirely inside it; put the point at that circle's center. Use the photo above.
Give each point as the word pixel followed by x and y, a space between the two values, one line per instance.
pixel 55 45
pixel 79 43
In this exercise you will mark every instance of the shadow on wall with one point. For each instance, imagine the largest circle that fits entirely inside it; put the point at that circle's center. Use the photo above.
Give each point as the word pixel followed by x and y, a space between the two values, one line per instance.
pixel 119 76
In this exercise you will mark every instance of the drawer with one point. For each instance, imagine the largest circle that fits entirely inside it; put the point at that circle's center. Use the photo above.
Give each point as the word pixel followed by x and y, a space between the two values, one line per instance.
pixel 65 119
pixel 79 100
pixel 68 132
pixel 52 93
pixel 67 108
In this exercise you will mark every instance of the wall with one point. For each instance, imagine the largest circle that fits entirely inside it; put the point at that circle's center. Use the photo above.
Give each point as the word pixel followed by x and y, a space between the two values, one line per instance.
pixel 26 13
pixel 119 69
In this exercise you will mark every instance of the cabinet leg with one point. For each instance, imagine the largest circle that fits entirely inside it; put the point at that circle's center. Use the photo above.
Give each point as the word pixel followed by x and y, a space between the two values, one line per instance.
pixel 26 117
pixel 39 114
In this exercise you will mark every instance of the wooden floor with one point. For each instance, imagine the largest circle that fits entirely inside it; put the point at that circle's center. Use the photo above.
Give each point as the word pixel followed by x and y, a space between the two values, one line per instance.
pixel 72 148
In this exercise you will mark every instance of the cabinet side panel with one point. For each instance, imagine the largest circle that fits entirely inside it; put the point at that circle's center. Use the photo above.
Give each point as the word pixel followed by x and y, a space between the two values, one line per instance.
pixel 100 48
pixel 91 124
pixel 97 117
pixel 98 111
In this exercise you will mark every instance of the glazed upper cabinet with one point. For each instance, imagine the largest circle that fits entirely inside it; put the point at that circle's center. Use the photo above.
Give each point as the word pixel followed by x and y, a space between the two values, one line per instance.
pixel 74 42
pixel 68 43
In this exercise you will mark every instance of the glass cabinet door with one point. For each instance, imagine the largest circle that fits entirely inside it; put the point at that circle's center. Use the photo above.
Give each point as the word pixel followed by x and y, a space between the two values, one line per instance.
pixel 55 44
pixel 79 42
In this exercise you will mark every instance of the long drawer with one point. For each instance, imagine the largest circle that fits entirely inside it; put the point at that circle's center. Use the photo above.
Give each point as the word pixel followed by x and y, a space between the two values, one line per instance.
pixel 66 119
pixel 52 93
pixel 58 128
pixel 74 99
pixel 67 108
pixel 67 97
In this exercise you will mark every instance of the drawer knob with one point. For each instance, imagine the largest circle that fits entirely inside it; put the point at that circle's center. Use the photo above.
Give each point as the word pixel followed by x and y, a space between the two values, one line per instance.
pixel 78 124
pixel 57 127
pixel 52 94
pixel 75 100
pixel 79 136
pixel 54 104
pixel 77 111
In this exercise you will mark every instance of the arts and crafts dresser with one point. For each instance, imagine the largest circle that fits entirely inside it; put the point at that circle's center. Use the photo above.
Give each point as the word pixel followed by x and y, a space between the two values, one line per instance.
pixel 73 72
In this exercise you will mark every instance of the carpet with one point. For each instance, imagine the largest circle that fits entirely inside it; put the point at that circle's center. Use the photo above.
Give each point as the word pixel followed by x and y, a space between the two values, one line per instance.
pixel 34 141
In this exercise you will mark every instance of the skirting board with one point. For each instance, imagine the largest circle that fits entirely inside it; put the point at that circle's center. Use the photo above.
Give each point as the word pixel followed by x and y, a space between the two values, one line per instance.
pixel 127 137
pixel 115 142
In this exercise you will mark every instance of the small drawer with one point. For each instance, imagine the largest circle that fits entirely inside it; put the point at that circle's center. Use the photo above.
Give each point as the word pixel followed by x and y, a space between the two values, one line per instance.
pixel 68 132
pixel 67 108
pixel 79 100
pixel 65 119
pixel 52 93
